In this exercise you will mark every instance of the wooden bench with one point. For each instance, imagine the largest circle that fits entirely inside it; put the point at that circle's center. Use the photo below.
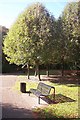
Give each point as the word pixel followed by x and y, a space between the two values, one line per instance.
pixel 42 90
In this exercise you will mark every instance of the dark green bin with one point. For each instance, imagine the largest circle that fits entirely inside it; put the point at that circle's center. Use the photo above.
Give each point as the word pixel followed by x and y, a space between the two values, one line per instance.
pixel 23 87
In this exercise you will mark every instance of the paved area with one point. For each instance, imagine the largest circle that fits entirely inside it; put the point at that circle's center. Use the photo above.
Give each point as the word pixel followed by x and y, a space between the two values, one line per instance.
pixel 15 104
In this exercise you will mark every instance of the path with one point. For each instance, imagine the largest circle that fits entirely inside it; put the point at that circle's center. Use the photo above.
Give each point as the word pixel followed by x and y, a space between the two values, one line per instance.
pixel 15 104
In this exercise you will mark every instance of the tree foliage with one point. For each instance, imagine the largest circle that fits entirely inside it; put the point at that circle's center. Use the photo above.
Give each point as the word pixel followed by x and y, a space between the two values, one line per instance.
pixel 71 28
pixel 31 36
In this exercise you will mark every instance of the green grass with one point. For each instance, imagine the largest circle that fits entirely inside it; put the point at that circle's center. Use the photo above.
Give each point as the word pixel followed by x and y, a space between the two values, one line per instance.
pixel 66 101
pixel 64 108
pixel 23 78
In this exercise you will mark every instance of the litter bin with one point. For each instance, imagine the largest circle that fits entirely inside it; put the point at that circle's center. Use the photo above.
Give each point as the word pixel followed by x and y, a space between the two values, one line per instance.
pixel 23 87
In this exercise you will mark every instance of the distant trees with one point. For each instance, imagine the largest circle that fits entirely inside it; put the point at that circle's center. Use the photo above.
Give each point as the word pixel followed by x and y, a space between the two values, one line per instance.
pixel 6 67
pixel 3 61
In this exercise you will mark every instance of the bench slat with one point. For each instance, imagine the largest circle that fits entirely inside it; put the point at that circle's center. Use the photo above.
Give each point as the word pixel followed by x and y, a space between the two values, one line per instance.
pixel 42 90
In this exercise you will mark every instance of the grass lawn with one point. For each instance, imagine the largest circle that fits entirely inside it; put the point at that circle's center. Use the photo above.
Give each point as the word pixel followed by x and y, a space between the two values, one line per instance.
pixel 66 100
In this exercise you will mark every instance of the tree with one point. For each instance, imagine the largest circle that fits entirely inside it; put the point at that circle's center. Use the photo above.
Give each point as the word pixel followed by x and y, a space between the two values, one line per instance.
pixel 48 49
pixel 68 35
pixel 71 27
pixel 29 36
pixel 61 45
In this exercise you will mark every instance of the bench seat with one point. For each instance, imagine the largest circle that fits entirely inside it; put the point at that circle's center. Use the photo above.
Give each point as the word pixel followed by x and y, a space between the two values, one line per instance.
pixel 42 90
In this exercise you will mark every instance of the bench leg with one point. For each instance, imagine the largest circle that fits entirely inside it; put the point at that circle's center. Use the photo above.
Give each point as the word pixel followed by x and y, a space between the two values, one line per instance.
pixel 29 93
pixel 38 100
pixel 54 93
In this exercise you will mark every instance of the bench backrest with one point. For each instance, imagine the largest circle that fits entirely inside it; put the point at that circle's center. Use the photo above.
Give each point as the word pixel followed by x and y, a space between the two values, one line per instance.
pixel 43 88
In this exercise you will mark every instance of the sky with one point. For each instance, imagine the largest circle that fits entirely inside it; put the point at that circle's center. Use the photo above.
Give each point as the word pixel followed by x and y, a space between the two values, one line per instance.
pixel 10 9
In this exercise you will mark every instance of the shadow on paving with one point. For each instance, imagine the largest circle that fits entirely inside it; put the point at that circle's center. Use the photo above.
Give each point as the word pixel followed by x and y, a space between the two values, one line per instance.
pixel 59 98
pixel 10 111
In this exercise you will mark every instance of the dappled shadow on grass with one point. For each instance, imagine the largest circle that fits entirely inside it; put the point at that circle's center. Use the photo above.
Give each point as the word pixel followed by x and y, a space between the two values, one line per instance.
pixel 59 98
pixel 69 81
pixel 48 114
pixel 10 111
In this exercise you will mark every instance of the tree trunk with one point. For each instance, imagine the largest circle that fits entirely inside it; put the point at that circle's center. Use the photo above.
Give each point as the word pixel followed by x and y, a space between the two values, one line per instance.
pixel 28 73
pixel 35 71
pixel 47 71
pixel 62 66
pixel 38 71
pixel 76 68
pixel 62 72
